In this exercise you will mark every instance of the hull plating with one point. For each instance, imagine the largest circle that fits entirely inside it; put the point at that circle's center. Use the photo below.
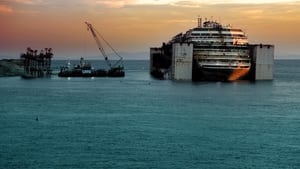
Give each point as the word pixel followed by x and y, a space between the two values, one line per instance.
pixel 219 74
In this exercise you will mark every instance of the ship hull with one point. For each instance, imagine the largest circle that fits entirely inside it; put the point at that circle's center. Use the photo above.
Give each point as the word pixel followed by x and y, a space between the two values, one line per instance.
pixel 220 74
pixel 80 74
pixel 96 73
pixel 158 74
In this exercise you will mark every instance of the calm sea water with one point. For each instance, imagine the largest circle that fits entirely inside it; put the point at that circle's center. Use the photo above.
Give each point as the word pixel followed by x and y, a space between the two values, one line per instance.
pixel 139 122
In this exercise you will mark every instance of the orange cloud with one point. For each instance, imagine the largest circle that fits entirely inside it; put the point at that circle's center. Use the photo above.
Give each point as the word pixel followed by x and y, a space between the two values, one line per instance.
pixel 114 3
pixel 5 9
pixel 30 2
pixel 185 3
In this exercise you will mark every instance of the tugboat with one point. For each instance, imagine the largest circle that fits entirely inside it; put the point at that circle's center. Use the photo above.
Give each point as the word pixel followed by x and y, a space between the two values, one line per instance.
pixel 84 69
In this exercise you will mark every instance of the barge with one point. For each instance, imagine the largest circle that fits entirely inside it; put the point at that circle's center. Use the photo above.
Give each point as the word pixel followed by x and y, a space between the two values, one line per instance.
pixel 84 69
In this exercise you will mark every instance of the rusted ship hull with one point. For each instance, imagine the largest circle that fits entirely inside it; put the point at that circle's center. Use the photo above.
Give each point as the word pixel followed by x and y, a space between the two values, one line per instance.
pixel 220 74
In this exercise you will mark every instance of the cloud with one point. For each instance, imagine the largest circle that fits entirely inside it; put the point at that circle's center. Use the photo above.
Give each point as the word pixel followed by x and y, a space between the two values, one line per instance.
pixel 20 6
pixel 115 3
pixel 259 1
pixel 180 21
pixel 253 11
pixel 5 9
pixel 28 2
pixel 183 3
pixel 153 2
pixel 122 3
pixel 188 4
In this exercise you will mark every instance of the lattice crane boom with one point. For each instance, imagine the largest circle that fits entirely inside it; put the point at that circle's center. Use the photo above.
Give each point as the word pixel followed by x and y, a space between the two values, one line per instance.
pixel 93 31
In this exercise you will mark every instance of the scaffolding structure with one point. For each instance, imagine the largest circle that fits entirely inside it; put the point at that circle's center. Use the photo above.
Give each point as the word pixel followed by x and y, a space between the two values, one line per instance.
pixel 37 65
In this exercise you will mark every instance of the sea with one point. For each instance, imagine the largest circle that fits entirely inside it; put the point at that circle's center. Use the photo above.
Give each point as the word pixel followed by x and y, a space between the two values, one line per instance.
pixel 138 122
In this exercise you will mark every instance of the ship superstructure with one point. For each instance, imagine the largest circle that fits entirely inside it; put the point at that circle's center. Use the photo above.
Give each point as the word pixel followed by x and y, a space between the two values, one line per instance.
pixel 220 52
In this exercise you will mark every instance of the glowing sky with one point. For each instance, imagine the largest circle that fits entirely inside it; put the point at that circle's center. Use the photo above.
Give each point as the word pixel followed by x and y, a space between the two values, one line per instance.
pixel 136 25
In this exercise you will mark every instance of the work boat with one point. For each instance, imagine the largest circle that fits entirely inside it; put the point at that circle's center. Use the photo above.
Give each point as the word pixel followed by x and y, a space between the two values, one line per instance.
pixel 84 69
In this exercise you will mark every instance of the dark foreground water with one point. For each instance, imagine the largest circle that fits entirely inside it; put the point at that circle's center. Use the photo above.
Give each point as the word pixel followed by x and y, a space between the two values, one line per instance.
pixel 139 122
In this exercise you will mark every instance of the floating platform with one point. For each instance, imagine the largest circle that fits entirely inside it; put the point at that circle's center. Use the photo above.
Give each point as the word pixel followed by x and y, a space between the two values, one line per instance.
pixel 84 69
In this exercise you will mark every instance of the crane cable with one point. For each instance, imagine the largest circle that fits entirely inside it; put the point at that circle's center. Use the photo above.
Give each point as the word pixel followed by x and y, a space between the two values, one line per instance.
pixel 121 58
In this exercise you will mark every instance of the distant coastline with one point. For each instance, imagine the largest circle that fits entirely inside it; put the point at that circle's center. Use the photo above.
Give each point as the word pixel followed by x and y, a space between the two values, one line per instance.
pixel 10 67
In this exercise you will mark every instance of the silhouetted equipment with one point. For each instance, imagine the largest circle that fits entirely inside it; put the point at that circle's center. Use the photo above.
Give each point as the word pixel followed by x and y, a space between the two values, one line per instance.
pixel 116 69
pixel 37 65
pixel 84 69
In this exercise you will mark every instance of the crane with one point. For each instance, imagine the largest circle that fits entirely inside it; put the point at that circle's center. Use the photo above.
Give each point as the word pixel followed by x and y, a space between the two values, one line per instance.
pixel 115 69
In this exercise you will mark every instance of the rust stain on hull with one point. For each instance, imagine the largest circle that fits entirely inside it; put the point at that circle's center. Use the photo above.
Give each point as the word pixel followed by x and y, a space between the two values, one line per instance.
pixel 238 74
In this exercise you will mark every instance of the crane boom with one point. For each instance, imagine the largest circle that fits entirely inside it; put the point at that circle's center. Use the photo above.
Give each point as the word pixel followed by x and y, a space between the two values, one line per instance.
pixel 93 31
pixel 116 70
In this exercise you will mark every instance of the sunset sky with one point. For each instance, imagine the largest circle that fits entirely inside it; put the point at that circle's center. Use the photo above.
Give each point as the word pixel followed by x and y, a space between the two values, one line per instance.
pixel 133 26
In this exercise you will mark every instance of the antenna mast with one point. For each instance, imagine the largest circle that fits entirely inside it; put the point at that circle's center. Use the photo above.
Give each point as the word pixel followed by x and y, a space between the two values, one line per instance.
pixel 199 22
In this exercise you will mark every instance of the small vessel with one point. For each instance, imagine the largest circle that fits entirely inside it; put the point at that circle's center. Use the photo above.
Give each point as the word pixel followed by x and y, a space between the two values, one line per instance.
pixel 84 69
